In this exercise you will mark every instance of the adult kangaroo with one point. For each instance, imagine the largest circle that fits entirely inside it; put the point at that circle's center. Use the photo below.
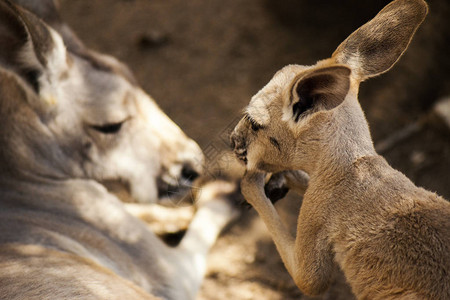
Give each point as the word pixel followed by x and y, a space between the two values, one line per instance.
pixel 70 119
pixel 390 238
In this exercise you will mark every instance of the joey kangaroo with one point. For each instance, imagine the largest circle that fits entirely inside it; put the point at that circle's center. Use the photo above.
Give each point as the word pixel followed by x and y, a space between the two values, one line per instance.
pixel 70 119
pixel 390 238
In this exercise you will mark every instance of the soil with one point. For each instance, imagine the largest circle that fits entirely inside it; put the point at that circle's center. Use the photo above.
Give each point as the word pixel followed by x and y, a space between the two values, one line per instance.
pixel 202 60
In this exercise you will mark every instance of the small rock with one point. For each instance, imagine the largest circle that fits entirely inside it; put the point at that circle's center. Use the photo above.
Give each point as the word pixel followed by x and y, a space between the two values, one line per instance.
pixel 417 158
pixel 442 110
pixel 152 39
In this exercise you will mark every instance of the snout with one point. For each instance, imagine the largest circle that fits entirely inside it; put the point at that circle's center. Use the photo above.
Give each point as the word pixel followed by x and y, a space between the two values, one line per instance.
pixel 189 172
pixel 238 143
pixel 181 170
pixel 192 161
pixel 176 185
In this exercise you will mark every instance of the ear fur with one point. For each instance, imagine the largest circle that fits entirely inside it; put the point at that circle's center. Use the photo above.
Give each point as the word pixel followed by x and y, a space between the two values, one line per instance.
pixel 48 11
pixel 26 42
pixel 323 87
pixel 376 46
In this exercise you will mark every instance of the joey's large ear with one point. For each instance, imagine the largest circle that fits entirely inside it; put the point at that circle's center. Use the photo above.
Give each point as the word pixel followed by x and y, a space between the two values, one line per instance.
pixel 28 47
pixel 376 46
pixel 323 88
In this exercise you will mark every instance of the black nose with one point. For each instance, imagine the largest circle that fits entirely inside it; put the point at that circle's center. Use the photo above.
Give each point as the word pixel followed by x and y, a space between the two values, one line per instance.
pixel 232 142
pixel 188 172
pixel 237 142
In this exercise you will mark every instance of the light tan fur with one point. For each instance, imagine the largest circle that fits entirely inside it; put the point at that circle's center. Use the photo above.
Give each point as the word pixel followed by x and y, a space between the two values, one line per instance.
pixel 70 120
pixel 163 219
pixel 390 238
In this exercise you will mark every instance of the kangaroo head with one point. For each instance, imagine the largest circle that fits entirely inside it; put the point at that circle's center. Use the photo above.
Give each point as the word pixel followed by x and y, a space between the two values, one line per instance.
pixel 80 114
pixel 310 114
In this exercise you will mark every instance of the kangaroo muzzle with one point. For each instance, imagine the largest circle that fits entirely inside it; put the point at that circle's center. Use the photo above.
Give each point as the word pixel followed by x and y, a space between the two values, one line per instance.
pixel 239 143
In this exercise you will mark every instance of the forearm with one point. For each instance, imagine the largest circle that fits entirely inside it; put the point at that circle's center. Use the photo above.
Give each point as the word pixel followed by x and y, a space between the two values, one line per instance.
pixel 252 187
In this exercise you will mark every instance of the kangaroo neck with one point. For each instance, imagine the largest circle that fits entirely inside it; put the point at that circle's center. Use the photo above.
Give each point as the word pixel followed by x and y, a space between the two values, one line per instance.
pixel 348 140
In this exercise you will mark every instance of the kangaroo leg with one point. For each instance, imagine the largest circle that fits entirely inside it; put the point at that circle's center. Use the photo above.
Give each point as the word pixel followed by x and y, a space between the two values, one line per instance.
pixel 307 257
pixel 215 210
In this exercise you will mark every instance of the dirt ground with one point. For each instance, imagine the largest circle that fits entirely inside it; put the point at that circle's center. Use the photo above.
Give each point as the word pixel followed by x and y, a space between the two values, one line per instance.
pixel 202 60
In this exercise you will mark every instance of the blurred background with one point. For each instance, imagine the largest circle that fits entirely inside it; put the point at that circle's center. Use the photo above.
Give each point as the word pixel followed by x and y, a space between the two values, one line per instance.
pixel 202 60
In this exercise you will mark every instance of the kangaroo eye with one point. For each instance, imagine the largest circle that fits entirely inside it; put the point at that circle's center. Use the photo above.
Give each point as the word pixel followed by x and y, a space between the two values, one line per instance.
pixel 108 128
pixel 255 126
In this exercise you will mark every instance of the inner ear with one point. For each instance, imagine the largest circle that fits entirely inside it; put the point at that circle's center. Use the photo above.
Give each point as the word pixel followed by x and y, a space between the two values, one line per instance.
pixel 323 88
pixel 26 42
pixel 48 11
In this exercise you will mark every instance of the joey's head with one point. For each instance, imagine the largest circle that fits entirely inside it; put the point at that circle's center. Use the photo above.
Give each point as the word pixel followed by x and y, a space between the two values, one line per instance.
pixel 307 114
pixel 290 119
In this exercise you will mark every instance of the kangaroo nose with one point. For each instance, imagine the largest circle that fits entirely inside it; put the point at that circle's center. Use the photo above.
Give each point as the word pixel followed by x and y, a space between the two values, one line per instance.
pixel 188 172
pixel 232 141
pixel 236 141
pixel 239 146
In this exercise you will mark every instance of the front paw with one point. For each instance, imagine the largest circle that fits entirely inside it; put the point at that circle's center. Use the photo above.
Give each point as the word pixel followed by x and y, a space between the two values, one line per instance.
pixel 252 186
pixel 276 188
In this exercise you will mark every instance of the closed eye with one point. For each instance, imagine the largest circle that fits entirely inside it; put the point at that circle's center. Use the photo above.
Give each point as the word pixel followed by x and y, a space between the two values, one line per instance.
pixel 111 128
pixel 255 126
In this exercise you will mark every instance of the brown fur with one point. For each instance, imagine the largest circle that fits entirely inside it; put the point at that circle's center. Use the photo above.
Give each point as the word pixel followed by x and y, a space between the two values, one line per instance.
pixel 390 238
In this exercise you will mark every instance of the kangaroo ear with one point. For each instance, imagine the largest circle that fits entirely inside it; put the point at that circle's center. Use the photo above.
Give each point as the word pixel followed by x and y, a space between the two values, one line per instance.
pixel 376 46
pixel 48 11
pixel 323 88
pixel 28 46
